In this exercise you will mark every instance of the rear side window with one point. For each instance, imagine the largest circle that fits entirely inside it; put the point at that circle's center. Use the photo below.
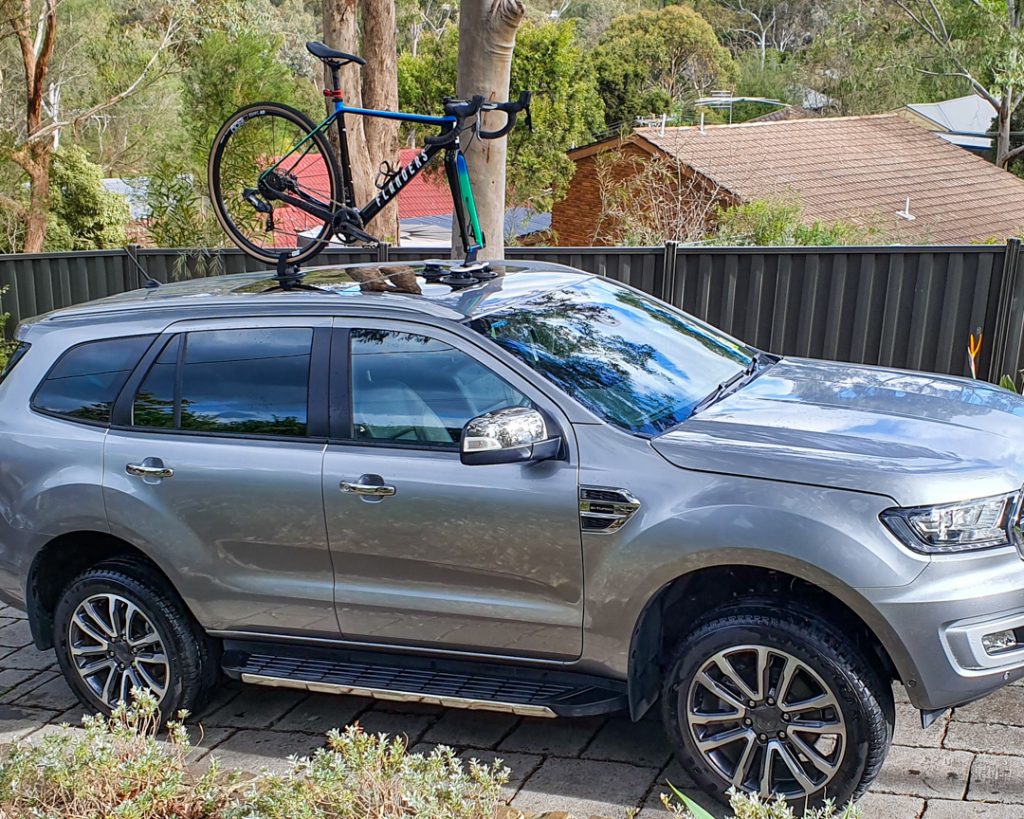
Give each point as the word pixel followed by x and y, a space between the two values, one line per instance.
pixel 15 356
pixel 86 379
pixel 242 382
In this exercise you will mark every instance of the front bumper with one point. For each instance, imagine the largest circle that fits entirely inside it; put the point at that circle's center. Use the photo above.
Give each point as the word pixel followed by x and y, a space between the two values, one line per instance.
pixel 936 623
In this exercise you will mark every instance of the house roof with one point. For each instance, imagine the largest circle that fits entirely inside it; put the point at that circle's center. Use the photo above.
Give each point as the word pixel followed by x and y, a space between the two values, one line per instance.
pixel 968 115
pixel 957 119
pixel 426 195
pixel 857 169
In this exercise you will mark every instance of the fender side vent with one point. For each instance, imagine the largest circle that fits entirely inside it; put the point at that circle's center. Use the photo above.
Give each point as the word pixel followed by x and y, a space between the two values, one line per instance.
pixel 604 510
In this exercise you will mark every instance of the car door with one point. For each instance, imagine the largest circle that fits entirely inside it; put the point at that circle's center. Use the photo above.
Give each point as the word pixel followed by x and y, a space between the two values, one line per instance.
pixel 213 467
pixel 427 551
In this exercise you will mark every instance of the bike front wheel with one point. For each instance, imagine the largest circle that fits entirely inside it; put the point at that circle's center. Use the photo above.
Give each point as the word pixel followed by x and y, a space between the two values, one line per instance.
pixel 282 146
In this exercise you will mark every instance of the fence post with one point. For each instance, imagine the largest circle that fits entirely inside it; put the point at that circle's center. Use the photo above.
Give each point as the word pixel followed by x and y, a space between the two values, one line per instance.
pixel 132 254
pixel 668 279
pixel 383 252
pixel 1009 315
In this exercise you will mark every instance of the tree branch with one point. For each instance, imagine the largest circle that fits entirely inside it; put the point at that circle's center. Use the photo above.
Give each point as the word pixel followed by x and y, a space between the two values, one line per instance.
pixel 165 42
pixel 976 86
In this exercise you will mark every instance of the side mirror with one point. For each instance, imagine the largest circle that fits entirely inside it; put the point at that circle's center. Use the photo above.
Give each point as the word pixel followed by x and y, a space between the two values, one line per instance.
pixel 505 436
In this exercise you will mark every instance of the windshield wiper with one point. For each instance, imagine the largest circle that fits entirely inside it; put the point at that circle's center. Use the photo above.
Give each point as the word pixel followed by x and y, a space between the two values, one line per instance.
pixel 757 362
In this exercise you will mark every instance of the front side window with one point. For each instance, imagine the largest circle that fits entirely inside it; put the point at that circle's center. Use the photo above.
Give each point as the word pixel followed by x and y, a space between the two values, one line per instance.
pixel 86 379
pixel 414 389
pixel 242 382
pixel 630 359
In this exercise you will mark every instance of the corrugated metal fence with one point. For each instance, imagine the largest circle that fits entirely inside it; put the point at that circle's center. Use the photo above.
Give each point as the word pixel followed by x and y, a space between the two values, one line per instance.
pixel 909 307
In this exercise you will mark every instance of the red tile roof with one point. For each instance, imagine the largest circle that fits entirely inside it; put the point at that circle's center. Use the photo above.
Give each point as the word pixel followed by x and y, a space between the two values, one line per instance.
pixel 426 195
pixel 857 169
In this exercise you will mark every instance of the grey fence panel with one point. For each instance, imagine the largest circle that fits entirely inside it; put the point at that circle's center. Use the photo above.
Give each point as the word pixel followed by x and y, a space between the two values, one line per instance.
pixel 911 307
pixel 899 307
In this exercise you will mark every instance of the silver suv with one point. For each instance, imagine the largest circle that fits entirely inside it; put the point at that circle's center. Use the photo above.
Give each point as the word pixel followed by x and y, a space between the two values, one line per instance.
pixel 544 493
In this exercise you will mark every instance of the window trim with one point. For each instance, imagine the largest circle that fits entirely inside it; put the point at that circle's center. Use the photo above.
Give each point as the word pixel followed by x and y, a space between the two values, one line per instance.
pixel 153 339
pixel 469 345
pixel 316 396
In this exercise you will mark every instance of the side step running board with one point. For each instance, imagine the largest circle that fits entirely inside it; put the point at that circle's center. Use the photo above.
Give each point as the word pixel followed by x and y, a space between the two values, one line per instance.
pixel 451 683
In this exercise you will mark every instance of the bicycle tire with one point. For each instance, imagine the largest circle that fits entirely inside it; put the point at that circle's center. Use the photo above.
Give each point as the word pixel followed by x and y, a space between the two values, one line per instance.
pixel 222 140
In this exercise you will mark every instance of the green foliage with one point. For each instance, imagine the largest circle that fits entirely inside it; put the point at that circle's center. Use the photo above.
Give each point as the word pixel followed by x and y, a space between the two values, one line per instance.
pixel 1007 382
pixel 117 767
pixel 778 223
pixel 649 58
pixel 752 807
pixel 567 109
pixel 83 215
pixel 871 58
pixel 226 71
pixel 5 346
pixel 777 79
pixel 179 213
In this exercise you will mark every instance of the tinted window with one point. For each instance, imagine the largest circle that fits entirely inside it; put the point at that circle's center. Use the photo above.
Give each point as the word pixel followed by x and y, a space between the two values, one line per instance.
pixel 85 381
pixel 412 388
pixel 154 402
pixel 253 382
pixel 633 360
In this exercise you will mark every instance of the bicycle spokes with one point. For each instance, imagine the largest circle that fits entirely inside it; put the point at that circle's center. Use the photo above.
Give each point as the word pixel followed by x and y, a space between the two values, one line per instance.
pixel 259 160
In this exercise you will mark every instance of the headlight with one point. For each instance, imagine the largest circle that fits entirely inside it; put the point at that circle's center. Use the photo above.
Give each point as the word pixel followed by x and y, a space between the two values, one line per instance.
pixel 984 523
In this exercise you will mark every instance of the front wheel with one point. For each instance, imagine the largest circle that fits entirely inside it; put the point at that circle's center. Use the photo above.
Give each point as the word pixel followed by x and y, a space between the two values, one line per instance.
pixel 275 142
pixel 778 704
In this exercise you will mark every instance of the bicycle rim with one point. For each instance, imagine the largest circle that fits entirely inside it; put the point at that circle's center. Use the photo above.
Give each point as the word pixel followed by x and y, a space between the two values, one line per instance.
pixel 272 139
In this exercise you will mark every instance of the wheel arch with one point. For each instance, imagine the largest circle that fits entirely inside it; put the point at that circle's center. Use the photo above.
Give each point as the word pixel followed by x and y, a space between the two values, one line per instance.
pixel 66 556
pixel 688 598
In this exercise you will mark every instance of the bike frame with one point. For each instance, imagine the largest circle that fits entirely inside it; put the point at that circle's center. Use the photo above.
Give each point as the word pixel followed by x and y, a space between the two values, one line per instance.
pixel 456 171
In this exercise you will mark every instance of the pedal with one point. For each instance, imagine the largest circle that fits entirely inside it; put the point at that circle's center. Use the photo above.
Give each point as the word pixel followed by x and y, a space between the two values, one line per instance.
pixel 512 689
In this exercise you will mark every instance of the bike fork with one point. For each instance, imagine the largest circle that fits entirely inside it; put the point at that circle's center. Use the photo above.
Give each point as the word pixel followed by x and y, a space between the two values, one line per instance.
pixel 465 205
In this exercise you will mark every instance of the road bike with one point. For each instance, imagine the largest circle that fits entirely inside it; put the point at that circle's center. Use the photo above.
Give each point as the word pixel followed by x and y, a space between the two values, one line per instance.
pixel 282 192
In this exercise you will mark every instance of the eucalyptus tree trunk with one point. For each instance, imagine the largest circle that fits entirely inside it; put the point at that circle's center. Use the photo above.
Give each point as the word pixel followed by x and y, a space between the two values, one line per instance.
pixel 341 31
pixel 487 36
pixel 380 91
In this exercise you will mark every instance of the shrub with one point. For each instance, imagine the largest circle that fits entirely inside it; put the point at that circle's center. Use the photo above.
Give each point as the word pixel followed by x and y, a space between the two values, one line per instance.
pixel 752 807
pixel 778 223
pixel 5 347
pixel 118 767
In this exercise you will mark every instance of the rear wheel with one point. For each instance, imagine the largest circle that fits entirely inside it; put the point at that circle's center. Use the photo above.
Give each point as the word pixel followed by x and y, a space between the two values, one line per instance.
pixel 118 627
pixel 273 140
pixel 779 704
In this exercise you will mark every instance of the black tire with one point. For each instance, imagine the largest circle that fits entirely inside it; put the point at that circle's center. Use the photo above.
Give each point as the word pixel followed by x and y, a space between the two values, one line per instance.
pixel 865 705
pixel 214 171
pixel 191 656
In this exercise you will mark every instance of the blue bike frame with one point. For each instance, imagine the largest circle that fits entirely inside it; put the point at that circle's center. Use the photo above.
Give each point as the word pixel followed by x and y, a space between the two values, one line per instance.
pixel 455 170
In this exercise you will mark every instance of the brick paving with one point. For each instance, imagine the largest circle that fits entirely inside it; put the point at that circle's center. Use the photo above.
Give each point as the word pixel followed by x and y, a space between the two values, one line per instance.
pixel 969 765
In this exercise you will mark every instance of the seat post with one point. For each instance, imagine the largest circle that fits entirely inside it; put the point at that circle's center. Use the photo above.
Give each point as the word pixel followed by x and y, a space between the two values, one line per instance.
pixel 348 193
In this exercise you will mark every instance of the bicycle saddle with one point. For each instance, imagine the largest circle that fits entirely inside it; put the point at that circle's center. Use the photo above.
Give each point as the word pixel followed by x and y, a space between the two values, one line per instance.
pixel 330 55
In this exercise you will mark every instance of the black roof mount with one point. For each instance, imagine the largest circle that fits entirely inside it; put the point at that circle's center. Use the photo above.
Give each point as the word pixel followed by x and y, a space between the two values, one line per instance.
pixel 466 274
pixel 288 276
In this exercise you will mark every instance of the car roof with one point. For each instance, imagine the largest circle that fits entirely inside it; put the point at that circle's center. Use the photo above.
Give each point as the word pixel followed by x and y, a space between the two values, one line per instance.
pixel 353 288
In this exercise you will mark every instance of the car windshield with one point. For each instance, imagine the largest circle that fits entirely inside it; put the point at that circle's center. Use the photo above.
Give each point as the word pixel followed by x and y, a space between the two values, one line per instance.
pixel 635 361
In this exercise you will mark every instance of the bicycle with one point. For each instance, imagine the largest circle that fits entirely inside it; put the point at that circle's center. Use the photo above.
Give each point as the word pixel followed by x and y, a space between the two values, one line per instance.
pixel 281 192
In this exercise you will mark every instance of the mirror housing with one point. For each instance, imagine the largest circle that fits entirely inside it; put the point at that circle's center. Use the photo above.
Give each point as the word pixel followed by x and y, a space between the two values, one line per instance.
pixel 505 436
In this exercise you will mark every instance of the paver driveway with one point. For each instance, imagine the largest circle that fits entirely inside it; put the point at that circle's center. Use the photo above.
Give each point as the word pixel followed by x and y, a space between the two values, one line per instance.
pixel 970 764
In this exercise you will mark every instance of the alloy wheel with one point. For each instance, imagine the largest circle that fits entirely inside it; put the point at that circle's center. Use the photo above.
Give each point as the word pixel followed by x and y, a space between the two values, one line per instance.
pixel 115 647
pixel 766 722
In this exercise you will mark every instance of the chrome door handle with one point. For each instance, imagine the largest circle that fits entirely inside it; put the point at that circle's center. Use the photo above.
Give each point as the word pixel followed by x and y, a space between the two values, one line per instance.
pixel 145 471
pixel 372 490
